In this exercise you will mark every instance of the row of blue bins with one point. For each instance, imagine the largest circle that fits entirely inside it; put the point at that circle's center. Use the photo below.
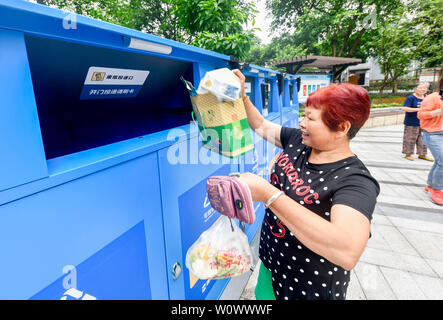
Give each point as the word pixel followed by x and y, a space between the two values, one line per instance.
pixel 102 173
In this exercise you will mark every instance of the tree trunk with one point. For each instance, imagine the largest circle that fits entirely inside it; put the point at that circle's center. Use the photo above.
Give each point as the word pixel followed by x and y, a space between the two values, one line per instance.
pixel 380 92
pixel 355 43
pixel 345 40
pixel 394 87
pixel 333 44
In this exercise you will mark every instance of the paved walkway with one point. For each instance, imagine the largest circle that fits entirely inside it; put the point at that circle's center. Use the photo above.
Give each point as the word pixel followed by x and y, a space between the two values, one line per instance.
pixel 404 257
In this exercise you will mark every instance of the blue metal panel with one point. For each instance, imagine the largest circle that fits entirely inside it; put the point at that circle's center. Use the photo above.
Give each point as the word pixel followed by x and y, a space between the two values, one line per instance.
pixel 252 80
pixel 67 225
pixel 286 94
pixel 263 69
pixel 290 117
pixel 257 94
pixel 23 157
pixel 295 95
pixel 263 74
pixel 255 163
pixel 184 168
pixel 275 102
pixel 271 149
pixel 67 168
pixel 125 275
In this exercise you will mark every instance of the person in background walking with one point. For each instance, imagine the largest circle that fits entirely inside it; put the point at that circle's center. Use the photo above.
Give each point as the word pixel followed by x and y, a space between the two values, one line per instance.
pixel 412 131
pixel 431 121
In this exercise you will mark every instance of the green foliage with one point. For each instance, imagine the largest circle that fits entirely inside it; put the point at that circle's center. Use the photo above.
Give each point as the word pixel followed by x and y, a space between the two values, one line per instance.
pixel 216 25
pixel 385 105
pixel 151 16
pixel 237 45
pixel 394 31
pixel 279 49
pixel 218 16
pixel 427 30
pixel 333 27
pixel 376 96
pixel 400 40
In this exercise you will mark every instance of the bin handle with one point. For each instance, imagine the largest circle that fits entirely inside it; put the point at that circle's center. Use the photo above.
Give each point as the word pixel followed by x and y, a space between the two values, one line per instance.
pixel 189 86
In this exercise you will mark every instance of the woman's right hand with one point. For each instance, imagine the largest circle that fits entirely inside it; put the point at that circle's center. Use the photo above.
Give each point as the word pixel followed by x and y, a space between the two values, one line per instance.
pixel 242 80
pixel 266 129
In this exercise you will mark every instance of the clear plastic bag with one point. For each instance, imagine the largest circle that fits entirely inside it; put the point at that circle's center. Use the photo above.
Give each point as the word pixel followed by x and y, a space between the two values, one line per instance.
pixel 222 83
pixel 222 251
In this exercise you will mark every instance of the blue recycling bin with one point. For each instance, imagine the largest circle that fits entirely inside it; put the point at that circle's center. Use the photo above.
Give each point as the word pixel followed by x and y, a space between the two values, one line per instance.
pixel 103 174
pixel 262 87
pixel 290 109
pixel 87 110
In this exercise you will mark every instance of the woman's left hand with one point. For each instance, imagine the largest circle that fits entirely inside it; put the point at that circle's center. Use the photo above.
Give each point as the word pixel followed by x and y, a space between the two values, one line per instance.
pixel 261 189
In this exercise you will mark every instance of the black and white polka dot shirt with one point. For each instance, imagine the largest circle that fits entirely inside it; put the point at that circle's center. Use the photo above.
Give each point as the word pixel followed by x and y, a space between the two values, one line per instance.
pixel 298 272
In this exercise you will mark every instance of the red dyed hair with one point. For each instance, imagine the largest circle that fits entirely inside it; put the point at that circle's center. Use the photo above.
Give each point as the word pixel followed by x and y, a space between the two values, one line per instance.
pixel 340 103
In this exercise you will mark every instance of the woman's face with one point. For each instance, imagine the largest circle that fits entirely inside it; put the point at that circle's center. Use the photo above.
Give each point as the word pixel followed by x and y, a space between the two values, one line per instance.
pixel 315 133
pixel 421 90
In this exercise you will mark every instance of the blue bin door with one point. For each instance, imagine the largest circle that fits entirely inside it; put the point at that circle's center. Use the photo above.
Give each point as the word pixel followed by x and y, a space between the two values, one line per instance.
pixel 290 118
pixel 271 150
pixel 255 162
pixel 250 88
pixel 23 157
pixel 187 210
pixel 101 235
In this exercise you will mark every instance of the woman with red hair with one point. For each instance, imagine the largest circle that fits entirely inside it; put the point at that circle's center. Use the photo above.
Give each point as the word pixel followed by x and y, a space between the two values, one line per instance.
pixel 320 201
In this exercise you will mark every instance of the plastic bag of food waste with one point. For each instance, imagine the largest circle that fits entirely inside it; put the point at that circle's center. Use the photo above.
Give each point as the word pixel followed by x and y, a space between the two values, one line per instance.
pixel 222 251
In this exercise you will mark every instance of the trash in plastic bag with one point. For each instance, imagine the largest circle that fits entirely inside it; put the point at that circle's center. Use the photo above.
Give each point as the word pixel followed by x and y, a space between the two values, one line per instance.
pixel 222 83
pixel 222 251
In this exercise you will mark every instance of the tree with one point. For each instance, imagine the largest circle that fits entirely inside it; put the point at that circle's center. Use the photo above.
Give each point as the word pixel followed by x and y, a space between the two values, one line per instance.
pixel 393 47
pixel 151 16
pixel 217 25
pixel 413 33
pixel 333 28
pixel 427 30
pixel 427 27
pixel 279 49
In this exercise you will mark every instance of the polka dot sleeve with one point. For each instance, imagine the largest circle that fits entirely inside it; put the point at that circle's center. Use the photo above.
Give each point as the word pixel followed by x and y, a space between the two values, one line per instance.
pixel 290 135
pixel 358 191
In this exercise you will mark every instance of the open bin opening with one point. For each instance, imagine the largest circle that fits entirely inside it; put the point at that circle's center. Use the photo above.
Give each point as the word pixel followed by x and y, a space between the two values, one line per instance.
pixel 71 124
pixel 265 94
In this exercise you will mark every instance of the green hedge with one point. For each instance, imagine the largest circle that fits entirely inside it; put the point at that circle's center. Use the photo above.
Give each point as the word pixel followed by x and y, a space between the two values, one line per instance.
pixel 389 96
pixel 375 106
pixel 385 105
